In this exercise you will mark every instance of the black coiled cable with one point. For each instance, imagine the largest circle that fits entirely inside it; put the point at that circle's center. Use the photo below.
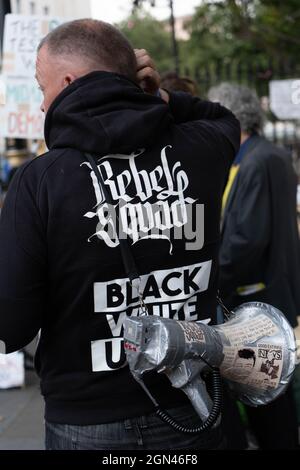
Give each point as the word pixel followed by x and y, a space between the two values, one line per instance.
pixel 213 416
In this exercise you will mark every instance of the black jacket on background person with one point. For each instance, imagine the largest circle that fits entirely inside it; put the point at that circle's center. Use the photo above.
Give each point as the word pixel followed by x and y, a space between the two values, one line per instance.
pixel 260 241
pixel 61 269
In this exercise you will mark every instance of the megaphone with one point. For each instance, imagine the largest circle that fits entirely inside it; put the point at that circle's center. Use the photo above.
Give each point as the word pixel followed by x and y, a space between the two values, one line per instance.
pixel 255 351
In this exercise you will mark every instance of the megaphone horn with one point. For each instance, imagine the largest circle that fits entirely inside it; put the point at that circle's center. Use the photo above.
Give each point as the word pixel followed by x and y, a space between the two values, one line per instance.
pixel 259 352
pixel 255 352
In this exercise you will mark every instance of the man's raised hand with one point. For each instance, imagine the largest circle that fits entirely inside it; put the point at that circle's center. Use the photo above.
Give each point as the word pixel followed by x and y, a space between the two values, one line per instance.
pixel 147 76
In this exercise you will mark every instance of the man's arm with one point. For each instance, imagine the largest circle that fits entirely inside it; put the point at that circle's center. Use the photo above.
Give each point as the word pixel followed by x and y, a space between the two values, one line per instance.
pixel 219 123
pixel 22 265
pixel 247 229
pixel 184 107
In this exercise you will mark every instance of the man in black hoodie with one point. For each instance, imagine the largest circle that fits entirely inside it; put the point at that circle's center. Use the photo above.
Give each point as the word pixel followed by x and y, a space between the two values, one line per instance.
pixel 61 269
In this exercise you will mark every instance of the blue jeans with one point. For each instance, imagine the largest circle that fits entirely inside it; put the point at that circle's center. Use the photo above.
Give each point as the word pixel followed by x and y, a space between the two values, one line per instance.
pixel 145 432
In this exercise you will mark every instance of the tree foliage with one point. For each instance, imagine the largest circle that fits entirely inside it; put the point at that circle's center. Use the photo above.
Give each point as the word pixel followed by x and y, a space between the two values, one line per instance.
pixel 226 31
pixel 145 32
pixel 245 30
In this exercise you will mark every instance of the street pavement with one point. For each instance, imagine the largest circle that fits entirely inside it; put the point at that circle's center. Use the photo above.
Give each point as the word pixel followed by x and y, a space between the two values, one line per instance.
pixel 21 417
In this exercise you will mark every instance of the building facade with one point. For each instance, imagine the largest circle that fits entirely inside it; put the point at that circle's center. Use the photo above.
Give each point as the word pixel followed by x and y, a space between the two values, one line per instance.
pixel 71 9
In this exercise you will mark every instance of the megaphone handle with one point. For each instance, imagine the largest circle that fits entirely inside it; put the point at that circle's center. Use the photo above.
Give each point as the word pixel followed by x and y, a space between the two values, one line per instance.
pixel 197 393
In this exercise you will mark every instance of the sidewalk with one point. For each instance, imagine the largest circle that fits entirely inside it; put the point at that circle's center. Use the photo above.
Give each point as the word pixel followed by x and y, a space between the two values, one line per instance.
pixel 21 417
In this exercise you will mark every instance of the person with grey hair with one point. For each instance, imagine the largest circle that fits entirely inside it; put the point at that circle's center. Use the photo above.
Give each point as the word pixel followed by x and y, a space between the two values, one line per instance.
pixel 113 149
pixel 245 103
pixel 259 254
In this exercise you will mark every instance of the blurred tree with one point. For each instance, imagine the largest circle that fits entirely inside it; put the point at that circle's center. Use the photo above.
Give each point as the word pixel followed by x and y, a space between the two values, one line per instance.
pixel 245 30
pixel 139 3
pixel 248 41
pixel 145 32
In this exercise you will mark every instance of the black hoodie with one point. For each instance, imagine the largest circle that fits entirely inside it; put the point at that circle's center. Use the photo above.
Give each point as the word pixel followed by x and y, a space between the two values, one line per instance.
pixel 60 264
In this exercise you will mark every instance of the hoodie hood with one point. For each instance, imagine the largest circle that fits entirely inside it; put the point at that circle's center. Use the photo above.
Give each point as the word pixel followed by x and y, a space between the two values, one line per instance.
pixel 104 113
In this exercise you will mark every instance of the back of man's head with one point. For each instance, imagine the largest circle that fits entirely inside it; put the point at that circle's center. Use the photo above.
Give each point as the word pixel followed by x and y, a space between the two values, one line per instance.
pixel 243 102
pixel 99 45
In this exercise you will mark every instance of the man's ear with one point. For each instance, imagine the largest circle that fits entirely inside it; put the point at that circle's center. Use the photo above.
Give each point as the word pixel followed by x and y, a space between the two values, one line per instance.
pixel 68 79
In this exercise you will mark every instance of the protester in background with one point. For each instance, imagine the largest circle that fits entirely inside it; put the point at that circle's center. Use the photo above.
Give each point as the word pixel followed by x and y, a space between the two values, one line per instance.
pixel 259 255
pixel 62 271
pixel 171 81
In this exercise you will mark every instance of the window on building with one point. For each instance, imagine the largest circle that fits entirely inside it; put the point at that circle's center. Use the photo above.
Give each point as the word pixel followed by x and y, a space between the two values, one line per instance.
pixel 46 10
pixel 32 8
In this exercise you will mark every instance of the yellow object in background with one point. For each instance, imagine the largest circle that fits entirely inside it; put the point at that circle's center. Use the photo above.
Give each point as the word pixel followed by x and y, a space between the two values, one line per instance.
pixel 232 174
pixel 251 288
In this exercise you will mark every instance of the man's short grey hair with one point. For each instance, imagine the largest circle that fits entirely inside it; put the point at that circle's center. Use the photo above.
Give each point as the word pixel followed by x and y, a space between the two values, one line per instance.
pixel 99 44
pixel 243 102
